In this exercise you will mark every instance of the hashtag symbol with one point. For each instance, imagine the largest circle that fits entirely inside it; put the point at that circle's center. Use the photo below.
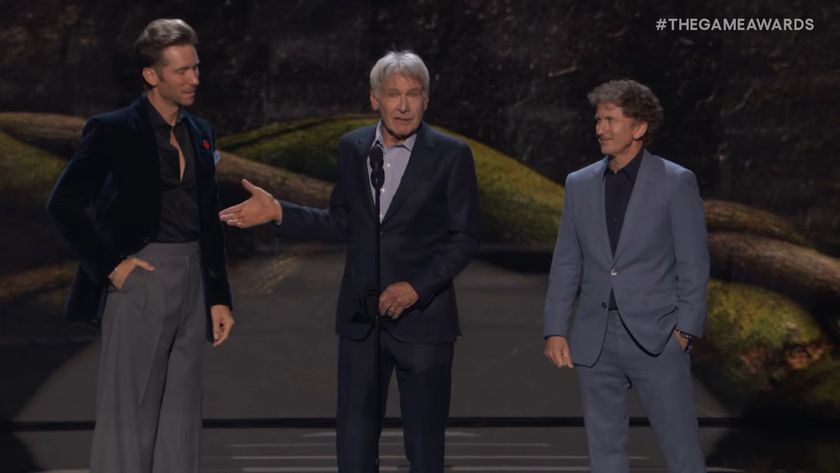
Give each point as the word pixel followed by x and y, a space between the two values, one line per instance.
pixel 660 24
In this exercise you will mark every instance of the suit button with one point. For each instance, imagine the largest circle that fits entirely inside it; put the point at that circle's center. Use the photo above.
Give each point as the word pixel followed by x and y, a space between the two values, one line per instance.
pixel 613 272
pixel 604 305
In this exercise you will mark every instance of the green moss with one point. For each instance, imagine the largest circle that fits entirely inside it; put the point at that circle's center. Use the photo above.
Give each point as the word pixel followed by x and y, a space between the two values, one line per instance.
pixel 518 205
pixel 305 146
pixel 26 172
pixel 750 317
pixel 758 339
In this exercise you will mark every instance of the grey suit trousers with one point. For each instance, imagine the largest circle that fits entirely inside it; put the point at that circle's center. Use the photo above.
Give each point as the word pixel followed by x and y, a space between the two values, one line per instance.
pixel 148 409
pixel 664 385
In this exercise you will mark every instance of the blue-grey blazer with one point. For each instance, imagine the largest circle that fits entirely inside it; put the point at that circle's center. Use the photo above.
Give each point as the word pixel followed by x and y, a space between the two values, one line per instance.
pixel 659 271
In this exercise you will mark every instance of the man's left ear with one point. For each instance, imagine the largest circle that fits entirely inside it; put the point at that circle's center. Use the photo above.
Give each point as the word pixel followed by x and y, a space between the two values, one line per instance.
pixel 640 131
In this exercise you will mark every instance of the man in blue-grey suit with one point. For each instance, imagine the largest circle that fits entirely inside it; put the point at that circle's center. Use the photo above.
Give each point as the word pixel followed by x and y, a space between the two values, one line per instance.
pixel 631 263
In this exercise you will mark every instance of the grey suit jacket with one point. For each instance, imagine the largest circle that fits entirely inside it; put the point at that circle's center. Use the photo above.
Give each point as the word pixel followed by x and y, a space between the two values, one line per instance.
pixel 659 271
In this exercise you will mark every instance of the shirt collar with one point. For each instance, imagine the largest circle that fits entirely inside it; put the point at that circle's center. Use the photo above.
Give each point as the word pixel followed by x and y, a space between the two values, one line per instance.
pixel 631 170
pixel 157 119
pixel 407 144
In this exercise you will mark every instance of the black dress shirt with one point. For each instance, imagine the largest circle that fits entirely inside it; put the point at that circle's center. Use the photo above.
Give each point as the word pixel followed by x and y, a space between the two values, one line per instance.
pixel 178 205
pixel 617 189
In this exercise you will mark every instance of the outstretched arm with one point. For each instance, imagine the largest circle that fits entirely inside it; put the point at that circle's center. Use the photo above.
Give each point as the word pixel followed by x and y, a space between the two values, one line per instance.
pixel 258 209
pixel 291 220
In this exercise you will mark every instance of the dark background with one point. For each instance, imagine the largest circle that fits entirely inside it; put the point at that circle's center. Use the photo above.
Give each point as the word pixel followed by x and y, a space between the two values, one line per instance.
pixel 754 114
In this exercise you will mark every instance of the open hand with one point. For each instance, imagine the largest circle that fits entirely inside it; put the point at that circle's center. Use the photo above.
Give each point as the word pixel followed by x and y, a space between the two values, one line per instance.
pixel 260 208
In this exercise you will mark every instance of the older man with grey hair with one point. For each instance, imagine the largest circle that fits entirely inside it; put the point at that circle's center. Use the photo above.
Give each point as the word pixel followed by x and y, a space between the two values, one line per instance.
pixel 428 234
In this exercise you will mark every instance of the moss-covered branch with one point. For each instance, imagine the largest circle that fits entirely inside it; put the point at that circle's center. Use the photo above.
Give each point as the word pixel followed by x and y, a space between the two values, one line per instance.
pixel 727 216
pixel 784 266
pixel 285 185
pixel 56 133
pixel 518 205
pixel 755 340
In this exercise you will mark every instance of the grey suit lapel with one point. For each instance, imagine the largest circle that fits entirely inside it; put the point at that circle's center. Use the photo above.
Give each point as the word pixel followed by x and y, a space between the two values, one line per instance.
pixel 600 214
pixel 421 161
pixel 642 190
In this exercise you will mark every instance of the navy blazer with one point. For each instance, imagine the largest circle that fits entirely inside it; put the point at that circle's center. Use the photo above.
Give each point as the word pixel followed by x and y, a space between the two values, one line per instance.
pixel 660 269
pixel 429 233
pixel 116 171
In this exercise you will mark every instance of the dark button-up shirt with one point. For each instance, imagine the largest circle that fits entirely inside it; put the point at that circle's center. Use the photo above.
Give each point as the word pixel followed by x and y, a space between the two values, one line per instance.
pixel 617 189
pixel 178 204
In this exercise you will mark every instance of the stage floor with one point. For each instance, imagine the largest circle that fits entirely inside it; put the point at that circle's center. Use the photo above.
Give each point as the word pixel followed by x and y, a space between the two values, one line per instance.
pixel 280 365
pixel 490 449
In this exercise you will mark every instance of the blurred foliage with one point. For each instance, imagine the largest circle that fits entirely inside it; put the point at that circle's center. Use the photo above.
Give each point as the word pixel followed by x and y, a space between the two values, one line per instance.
pixel 757 340
pixel 27 173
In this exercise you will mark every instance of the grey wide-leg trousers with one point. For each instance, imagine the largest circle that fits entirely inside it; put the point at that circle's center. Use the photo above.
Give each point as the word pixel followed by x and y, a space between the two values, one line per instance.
pixel 148 409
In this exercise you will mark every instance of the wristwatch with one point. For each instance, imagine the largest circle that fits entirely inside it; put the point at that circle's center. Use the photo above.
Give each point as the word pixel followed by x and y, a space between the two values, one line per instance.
pixel 688 337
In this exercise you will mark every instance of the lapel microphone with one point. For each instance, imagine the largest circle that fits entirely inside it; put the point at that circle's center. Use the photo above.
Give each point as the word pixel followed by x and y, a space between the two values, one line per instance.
pixel 377 174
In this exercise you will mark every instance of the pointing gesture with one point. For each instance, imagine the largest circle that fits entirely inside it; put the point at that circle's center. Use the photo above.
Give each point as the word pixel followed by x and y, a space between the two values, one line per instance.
pixel 260 208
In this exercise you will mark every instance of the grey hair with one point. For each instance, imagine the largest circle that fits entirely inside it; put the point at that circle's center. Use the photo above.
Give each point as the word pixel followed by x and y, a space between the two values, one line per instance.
pixel 399 62
pixel 159 35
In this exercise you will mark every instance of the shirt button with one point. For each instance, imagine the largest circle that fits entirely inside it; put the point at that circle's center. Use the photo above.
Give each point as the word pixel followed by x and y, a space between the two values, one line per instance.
pixel 613 272
pixel 604 305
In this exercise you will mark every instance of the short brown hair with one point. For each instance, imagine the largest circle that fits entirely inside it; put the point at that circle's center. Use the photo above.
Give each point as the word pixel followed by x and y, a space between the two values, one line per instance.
pixel 636 100
pixel 159 35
